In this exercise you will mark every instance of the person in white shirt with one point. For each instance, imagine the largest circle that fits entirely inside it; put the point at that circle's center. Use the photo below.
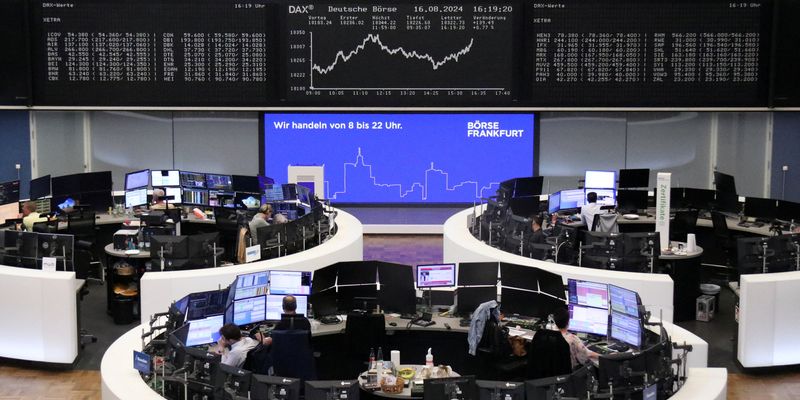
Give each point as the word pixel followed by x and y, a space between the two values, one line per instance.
pixel 589 210
pixel 30 216
pixel 233 346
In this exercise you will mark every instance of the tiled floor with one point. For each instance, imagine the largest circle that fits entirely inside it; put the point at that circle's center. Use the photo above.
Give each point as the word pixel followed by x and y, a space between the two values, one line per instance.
pixel 33 384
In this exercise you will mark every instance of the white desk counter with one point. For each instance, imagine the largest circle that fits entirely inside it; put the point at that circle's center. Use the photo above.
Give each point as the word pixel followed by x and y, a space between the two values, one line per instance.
pixel 159 289
pixel 45 305
pixel 656 290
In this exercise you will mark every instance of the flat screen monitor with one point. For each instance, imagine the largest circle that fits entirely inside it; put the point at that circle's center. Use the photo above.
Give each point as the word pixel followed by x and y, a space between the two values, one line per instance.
pixel 250 285
pixel 303 195
pixel 9 192
pixel 788 211
pixel 528 303
pixel 396 275
pixel 204 331
pixel 436 275
pixel 135 197
pixel 40 187
pixel 450 388
pixel 631 200
pixel 96 182
pixel 173 247
pixel 519 276
pixel 605 197
pixel 477 273
pixel 66 185
pixel 219 182
pixel 559 386
pixel 700 199
pixel 588 320
pixel 192 179
pixel 572 199
pixel 399 299
pixel 324 278
pixel 761 208
pixel 250 310
pixel 554 202
pixel 290 282
pixel 274 387
pixel 526 187
pixel 246 200
pixel 623 300
pixel 600 180
pixel 634 178
pixel 357 272
pixel 627 329
pixel 327 390
pixel 275 306
pixel 247 184
pixel 165 177
pixel 493 390
pixel 206 304
pixel 727 202
pixel 138 179
pixel 195 196
pixel 469 298
pixel 724 182
pixel 175 194
pixel 273 193
pixel 585 293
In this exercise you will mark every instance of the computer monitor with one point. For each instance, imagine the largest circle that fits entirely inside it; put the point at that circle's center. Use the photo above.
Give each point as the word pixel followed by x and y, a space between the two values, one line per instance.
pixel 40 187
pixel 273 193
pixel 724 182
pixel 201 248
pixel 235 381
pixel 634 178
pixel 572 386
pixel 530 186
pixel 172 247
pixel 631 201
pixel 219 182
pixel 250 285
pixel 700 199
pixel 640 249
pixel 135 197
pixel 500 390
pixel 605 197
pixel 274 387
pixel 750 256
pixel 165 177
pixel 66 184
pixel 554 202
pixel 244 183
pixel 585 293
pixel 600 180
pixel 303 195
pixel 436 275
pixel 204 331
pixel 788 211
pixel 250 310
pixel 588 320
pixel 99 181
pixel 290 282
pixel 611 367
pixel 174 193
pixel 60 247
pixel 766 209
pixel 462 387
pixel 138 179
pixel 9 192
pixel 195 196
pixel 275 306
pixel 246 200
pixel 192 179
pixel 477 273
pixel 206 304
pixel 324 278
pixel 324 303
pixel 469 298
pixel 784 253
pixel 398 299
pixel 328 390
pixel 289 191
pixel 528 303
pixel 519 276
pixel 623 300
pixel 626 328
pixel 572 199
pixel 727 202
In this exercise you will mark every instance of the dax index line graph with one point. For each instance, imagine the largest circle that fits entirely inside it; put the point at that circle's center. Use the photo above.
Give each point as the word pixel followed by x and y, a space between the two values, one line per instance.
pixel 375 39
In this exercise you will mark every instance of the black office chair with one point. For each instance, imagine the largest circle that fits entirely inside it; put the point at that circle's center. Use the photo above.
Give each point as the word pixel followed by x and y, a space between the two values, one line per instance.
pixel 495 361
pixel 292 355
pixel 226 222
pixel 81 224
pixel 45 227
pixel 605 222
pixel 362 333
pixel 684 223
pixel 723 238
pixel 548 355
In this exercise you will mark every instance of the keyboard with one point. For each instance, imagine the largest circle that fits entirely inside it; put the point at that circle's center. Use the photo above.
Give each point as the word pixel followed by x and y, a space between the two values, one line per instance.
pixel 530 324
pixel 329 319
pixel 598 349
pixel 618 347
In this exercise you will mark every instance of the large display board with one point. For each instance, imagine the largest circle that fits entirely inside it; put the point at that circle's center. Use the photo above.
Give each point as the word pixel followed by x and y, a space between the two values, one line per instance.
pixel 403 158
pixel 14 67
pixel 152 52
pixel 648 53
pixel 401 52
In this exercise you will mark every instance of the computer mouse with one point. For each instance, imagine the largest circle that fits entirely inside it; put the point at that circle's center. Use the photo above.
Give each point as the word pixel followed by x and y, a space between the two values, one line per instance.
pixel 392 323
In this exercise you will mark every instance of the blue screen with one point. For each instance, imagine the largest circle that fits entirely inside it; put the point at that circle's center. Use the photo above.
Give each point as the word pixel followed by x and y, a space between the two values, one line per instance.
pixel 403 158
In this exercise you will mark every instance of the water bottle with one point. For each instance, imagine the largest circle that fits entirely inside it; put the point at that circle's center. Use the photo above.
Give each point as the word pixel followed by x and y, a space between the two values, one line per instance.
pixel 371 364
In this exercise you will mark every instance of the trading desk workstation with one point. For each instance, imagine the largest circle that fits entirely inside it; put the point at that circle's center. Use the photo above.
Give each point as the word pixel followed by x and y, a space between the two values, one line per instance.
pixel 363 306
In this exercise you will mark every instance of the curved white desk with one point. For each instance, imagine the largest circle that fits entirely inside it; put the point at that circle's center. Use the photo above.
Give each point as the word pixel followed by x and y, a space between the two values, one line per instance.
pixel 121 382
pixel 45 305
pixel 159 289
pixel 656 290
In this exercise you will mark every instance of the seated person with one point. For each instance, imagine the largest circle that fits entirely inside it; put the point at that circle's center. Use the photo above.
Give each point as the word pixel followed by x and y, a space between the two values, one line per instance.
pixel 158 200
pixel 290 320
pixel 579 354
pixel 30 216
pixel 231 336
pixel 537 234
pixel 259 220
pixel 589 210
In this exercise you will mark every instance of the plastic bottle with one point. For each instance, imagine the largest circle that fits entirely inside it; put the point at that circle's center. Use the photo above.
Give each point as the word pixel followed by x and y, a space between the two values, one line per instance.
pixel 379 365
pixel 371 358
pixel 429 358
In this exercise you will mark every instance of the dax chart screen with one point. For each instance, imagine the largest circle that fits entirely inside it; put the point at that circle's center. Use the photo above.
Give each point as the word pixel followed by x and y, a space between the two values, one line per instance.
pixel 403 158
pixel 421 52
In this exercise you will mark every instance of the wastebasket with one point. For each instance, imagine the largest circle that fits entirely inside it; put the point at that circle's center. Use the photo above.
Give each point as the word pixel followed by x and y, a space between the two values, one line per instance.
pixel 122 311
pixel 711 289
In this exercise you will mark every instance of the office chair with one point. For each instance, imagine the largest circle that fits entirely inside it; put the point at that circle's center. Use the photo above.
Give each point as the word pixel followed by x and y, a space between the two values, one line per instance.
pixel 494 355
pixel 227 225
pixel 292 355
pixel 45 227
pixel 684 223
pixel 723 238
pixel 81 224
pixel 362 333
pixel 548 355
pixel 605 222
